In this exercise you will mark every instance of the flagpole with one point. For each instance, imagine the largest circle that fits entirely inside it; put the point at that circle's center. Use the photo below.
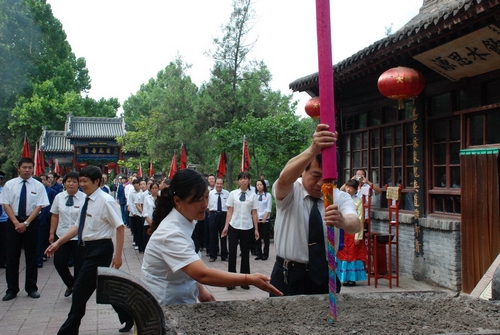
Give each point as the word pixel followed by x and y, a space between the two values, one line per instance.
pixel 242 168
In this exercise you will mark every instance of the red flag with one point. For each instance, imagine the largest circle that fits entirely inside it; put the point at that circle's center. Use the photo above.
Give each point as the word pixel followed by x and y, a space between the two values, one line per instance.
pixel 56 168
pixel 184 160
pixel 26 147
pixel 173 167
pixel 42 160
pixel 139 172
pixel 151 170
pixel 245 157
pixel 221 168
pixel 38 162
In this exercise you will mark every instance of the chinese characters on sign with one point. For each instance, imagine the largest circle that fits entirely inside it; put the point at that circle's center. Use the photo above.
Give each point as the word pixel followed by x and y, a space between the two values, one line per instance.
pixel 97 150
pixel 468 56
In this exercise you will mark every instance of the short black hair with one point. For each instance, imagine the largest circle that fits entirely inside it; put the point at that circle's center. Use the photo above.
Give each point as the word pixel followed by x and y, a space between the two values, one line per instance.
pixel 91 172
pixel 25 160
pixel 71 175
pixel 318 158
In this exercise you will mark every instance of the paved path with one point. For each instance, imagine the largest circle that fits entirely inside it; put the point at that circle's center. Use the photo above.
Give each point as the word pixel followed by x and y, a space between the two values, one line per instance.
pixel 44 316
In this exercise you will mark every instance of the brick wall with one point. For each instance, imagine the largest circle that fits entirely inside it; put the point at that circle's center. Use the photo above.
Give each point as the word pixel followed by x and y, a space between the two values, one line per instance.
pixel 441 248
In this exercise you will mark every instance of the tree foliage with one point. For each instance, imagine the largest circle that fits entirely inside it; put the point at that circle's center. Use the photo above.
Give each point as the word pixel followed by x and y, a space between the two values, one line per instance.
pixel 41 78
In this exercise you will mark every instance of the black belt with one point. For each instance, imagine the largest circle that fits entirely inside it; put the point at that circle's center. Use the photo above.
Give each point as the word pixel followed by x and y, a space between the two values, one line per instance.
pixel 22 218
pixel 95 242
pixel 291 264
pixel 215 212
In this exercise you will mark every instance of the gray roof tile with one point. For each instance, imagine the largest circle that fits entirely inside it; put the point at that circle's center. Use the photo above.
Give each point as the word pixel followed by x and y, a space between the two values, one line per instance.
pixel 55 141
pixel 94 127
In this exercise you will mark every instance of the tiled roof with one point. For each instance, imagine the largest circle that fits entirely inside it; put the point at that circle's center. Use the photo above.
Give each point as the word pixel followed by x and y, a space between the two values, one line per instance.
pixel 94 127
pixel 55 141
pixel 435 18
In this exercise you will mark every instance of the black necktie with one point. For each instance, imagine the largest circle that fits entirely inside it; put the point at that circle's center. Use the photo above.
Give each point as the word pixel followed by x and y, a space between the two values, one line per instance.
pixel 243 196
pixel 318 266
pixel 21 211
pixel 69 201
pixel 260 197
pixel 83 214
pixel 219 204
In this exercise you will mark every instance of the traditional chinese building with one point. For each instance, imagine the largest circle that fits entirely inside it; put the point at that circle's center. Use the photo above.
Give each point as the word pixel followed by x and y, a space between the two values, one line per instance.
pixel 442 147
pixel 84 141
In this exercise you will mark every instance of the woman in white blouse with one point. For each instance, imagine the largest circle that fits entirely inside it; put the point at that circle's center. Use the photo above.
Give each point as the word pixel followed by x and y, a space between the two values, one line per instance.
pixel 171 268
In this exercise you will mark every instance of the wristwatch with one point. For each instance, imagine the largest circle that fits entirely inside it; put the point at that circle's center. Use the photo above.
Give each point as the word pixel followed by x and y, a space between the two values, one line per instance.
pixel 27 224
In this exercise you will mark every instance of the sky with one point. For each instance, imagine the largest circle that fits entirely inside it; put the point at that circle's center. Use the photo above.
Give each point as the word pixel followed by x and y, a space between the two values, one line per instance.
pixel 127 42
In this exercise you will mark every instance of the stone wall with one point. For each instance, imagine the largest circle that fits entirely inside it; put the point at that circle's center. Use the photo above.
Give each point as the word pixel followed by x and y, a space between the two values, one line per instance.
pixel 441 248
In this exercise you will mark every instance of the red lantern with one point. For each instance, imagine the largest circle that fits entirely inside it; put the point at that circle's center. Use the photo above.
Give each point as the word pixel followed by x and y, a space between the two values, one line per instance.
pixel 111 165
pixel 312 107
pixel 401 83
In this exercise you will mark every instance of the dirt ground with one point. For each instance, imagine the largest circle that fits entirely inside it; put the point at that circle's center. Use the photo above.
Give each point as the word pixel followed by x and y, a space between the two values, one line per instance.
pixel 358 313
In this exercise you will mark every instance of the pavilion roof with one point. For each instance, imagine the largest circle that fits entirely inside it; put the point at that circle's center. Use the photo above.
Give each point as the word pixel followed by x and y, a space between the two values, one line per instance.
pixel 78 127
pixel 55 141
pixel 436 23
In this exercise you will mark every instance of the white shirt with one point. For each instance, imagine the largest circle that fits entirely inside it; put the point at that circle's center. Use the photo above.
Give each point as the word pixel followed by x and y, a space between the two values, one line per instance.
pixel 103 217
pixel 68 215
pixel 148 208
pixel 133 198
pixel 36 195
pixel 265 205
pixel 213 198
pixel 242 210
pixel 291 228
pixel 169 249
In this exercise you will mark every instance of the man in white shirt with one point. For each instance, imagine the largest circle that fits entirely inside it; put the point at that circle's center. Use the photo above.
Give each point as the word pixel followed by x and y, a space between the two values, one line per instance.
pixel 23 198
pixel 217 220
pixel 134 214
pixel 296 198
pixel 99 221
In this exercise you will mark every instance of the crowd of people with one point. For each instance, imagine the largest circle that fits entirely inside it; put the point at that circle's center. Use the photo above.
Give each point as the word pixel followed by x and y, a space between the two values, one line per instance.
pixel 75 219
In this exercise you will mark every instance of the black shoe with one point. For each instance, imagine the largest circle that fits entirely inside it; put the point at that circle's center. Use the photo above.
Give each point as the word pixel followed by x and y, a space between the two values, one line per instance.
pixel 258 258
pixel 128 326
pixel 245 287
pixel 68 292
pixel 224 259
pixel 229 288
pixel 9 296
pixel 34 294
pixel 211 260
pixel 264 258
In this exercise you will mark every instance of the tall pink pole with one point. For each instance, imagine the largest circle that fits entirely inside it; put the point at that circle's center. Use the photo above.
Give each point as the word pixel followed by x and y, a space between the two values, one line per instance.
pixel 326 96
pixel 327 116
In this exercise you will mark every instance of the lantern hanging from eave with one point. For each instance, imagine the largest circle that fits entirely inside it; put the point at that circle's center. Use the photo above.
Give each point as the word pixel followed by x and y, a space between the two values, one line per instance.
pixel 312 107
pixel 401 83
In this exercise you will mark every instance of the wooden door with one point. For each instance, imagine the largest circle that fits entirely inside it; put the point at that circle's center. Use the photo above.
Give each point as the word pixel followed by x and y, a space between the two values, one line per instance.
pixel 480 222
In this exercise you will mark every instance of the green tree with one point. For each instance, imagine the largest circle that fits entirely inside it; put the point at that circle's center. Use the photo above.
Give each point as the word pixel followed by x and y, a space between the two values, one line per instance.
pixel 161 117
pixel 41 78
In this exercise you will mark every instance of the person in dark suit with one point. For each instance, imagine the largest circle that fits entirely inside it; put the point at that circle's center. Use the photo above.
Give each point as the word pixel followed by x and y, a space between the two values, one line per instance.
pixel 3 222
pixel 23 198
pixel 121 198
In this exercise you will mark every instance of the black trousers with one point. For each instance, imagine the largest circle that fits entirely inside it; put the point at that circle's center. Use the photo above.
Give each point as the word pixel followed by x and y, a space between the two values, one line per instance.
pixel 94 254
pixel 216 222
pixel 61 259
pixel 136 227
pixel 264 236
pixel 145 236
pixel 14 243
pixel 246 238
pixel 3 247
pixel 297 281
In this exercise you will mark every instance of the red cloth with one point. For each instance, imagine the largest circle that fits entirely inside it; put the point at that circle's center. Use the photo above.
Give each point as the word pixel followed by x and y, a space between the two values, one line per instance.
pixel 351 251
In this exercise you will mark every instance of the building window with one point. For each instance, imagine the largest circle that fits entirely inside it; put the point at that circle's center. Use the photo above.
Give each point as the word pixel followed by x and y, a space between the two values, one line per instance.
pixel 484 128
pixel 385 153
pixel 444 190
